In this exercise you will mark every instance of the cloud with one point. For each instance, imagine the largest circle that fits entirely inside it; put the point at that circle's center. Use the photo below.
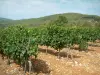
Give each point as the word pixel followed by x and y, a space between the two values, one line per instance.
pixel 19 9
pixel 27 9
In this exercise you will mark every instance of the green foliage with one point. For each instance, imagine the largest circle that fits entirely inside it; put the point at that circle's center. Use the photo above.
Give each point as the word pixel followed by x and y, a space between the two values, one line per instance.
pixel 18 44
pixel 72 18
pixel 57 36
pixel 83 45
pixel 61 20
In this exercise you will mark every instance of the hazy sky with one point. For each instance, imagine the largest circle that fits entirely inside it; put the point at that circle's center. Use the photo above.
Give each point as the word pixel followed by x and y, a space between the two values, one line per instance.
pixel 19 9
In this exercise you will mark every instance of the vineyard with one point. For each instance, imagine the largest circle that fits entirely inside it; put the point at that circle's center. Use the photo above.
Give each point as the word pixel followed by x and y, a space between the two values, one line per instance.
pixel 20 43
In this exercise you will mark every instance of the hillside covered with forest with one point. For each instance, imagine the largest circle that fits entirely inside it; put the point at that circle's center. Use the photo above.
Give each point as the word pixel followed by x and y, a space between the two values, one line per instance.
pixel 73 19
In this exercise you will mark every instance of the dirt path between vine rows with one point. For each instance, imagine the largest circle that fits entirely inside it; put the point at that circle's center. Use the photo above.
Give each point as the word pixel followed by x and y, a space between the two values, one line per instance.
pixel 82 64
pixel 2 66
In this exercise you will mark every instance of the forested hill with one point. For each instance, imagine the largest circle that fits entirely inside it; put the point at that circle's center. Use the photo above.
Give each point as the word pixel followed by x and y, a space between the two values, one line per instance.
pixel 73 19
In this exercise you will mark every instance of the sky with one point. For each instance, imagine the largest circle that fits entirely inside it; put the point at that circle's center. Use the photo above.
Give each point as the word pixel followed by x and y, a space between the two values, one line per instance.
pixel 24 9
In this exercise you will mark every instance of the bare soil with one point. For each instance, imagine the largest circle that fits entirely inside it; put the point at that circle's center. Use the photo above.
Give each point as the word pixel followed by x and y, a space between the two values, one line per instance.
pixel 83 63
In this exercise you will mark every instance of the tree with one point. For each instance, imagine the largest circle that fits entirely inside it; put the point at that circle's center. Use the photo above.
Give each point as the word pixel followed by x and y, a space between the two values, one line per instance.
pixel 61 20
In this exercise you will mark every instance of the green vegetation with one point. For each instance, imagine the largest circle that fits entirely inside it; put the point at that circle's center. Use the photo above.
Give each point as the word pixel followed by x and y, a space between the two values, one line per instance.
pixel 20 42
pixel 72 18
pixel 17 44
pixel 61 20
pixel 59 37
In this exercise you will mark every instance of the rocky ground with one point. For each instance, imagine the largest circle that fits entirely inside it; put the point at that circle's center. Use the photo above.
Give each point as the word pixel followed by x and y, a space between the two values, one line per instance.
pixel 83 63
